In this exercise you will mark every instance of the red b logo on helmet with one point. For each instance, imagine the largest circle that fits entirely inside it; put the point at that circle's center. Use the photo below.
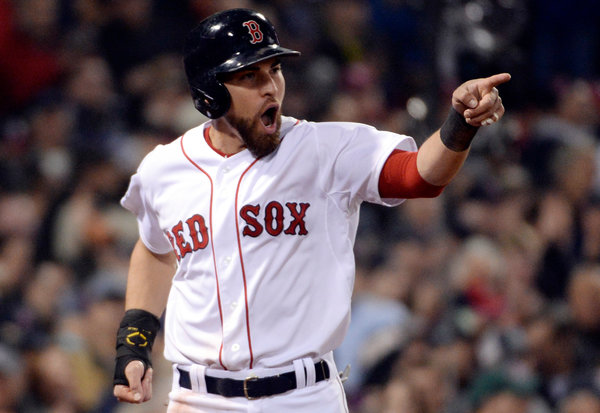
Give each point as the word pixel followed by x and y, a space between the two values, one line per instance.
pixel 254 30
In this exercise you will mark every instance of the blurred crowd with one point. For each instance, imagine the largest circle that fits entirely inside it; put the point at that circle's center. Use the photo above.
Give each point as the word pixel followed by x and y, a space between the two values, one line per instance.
pixel 483 300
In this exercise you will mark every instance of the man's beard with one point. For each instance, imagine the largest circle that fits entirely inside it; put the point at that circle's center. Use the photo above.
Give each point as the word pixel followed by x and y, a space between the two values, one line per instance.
pixel 259 144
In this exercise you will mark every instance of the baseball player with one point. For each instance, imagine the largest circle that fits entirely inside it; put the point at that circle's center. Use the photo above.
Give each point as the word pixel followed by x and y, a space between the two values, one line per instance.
pixel 247 224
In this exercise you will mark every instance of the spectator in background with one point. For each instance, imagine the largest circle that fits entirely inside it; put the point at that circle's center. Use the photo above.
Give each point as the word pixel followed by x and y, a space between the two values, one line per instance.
pixel 552 357
pixel 498 392
pixel 12 380
pixel 52 384
pixel 571 124
pixel 583 299
pixel 137 31
pixel 572 53
pixel 380 321
pixel 582 401
pixel 29 60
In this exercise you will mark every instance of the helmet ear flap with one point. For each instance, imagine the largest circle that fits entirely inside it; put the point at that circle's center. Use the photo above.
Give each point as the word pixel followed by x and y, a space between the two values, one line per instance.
pixel 213 100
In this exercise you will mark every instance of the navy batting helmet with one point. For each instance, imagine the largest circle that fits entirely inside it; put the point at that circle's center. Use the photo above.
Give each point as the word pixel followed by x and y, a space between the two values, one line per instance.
pixel 223 43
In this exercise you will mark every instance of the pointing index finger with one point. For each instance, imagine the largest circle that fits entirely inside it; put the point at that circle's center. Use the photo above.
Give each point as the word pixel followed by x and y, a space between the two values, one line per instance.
pixel 496 80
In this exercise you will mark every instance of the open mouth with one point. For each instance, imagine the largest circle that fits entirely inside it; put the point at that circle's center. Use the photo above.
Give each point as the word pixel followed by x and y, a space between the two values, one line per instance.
pixel 268 116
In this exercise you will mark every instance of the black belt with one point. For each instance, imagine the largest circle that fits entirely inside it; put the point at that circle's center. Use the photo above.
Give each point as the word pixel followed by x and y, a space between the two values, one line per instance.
pixel 254 387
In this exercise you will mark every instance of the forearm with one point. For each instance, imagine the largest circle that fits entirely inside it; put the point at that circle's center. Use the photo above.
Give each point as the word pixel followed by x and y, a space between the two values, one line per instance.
pixel 149 280
pixel 436 163
pixel 475 103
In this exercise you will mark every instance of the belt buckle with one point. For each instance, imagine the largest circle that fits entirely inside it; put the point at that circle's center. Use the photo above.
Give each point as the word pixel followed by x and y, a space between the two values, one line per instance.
pixel 246 380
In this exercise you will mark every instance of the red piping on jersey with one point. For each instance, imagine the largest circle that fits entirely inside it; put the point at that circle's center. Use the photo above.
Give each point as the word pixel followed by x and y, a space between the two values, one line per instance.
pixel 212 246
pixel 209 142
pixel 237 228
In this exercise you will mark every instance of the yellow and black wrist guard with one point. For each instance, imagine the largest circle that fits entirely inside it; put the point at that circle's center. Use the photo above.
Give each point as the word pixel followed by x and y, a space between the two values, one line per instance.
pixel 135 338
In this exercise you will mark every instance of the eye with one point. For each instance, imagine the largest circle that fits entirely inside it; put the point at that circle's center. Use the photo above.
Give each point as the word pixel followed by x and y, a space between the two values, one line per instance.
pixel 247 76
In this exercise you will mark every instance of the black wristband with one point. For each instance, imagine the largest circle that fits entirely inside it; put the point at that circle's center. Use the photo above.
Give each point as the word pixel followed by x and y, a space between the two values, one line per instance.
pixel 456 133
pixel 135 339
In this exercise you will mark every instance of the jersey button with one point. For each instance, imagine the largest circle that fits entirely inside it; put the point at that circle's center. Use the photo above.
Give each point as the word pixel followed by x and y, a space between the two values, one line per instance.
pixel 235 347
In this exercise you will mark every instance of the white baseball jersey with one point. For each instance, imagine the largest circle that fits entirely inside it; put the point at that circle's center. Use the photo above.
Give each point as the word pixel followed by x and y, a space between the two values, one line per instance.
pixel 264 247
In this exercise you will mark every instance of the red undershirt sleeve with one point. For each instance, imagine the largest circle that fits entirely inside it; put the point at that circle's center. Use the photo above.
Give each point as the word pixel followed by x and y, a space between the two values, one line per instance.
pixel 400 178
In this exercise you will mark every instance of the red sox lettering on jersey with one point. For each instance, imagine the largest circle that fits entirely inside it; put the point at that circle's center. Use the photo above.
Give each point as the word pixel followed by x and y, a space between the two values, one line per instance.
pixel 272 221
pixel 253 238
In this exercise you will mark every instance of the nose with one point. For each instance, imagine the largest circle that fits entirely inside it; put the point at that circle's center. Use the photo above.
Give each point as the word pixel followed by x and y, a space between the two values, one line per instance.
pixel 268 84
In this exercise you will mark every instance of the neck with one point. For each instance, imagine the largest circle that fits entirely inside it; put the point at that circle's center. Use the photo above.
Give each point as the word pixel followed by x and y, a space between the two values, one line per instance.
pixel 225 137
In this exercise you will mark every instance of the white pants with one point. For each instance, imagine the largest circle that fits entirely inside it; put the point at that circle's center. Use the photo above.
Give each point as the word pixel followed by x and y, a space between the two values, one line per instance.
pixel 326 396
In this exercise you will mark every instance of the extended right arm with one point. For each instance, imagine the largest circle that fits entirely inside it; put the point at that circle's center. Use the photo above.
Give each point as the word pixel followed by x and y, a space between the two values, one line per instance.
pixel 424 173
pixel 148 284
